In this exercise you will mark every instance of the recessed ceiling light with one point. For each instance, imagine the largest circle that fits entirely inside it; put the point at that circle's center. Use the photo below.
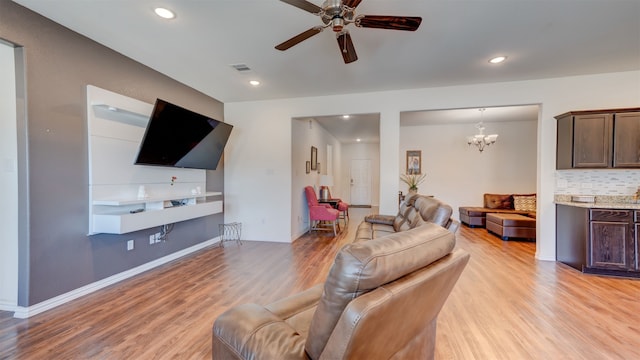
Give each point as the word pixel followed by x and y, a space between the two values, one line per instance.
pixel 358 140
pixel 346 116
pixel 164 13
pixel 498 59
pixel 254 82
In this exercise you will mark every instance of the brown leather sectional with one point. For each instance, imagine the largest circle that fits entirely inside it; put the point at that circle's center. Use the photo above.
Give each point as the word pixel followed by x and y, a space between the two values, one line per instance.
pixel 475 216
pixel 506 215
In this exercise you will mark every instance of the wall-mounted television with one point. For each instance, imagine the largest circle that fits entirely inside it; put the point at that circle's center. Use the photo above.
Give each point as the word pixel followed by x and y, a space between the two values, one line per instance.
pixel 178 137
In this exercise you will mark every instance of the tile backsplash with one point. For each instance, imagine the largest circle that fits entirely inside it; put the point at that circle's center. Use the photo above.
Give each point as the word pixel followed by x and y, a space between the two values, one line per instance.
pixel 597 182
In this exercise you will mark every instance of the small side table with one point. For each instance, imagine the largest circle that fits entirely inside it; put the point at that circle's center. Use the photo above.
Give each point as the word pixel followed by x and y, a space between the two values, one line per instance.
pixel 230 232
pixel 332 202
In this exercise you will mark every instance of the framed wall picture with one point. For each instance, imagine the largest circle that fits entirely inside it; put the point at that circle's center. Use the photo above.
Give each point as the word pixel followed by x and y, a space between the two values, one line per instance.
pixel 414 162
pixel 308 167
pixel 314 158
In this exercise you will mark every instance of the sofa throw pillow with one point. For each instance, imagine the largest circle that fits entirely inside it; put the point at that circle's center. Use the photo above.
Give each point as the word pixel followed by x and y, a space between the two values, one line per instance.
pixel 498 201
pixel 524 203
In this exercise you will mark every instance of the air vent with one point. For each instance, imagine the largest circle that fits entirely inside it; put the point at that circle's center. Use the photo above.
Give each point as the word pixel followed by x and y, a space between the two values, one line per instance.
pixel 241 67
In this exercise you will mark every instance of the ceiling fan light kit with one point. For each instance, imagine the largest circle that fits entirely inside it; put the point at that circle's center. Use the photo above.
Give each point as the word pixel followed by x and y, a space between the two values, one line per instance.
pixel 338 14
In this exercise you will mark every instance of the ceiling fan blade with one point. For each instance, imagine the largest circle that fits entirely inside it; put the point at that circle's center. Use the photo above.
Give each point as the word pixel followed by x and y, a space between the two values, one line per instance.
pixel 351 3
pixel 346 47
pixel 408 23
pixel 304 5
pixel 299 38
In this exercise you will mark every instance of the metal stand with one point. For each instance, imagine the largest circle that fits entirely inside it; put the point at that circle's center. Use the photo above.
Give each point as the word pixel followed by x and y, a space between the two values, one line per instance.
pixel 230 232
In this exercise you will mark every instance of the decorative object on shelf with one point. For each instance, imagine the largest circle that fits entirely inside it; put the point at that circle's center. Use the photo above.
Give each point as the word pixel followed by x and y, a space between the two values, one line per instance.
pixel 325 181
pixel 413 181
pixel 308 167
pixel 481 140
pixel 173 180
pixel 414 162
pixel 314 158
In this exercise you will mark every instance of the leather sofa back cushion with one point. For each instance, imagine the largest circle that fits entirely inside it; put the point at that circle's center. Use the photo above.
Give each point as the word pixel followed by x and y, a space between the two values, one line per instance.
pixel 363 266
pixel 498 201
pixel 433 210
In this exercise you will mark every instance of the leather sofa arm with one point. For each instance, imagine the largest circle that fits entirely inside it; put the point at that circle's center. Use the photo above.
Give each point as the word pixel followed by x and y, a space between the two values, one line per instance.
pixel 380 219
pixel 297 303
pixel 250 331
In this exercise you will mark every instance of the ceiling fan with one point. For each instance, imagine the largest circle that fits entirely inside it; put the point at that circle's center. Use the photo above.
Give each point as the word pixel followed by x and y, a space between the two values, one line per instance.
pixel 337 14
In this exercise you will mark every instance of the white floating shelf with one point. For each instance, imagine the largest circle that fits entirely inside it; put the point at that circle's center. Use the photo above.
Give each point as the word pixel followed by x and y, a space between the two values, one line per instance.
pixel 124 202
pixel 125 222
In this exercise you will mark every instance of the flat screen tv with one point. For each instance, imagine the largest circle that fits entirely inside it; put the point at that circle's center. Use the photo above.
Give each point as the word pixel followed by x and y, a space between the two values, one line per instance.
pixel 177 137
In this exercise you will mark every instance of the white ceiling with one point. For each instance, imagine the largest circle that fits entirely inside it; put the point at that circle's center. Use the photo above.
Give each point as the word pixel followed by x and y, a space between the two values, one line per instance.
pixel 542 38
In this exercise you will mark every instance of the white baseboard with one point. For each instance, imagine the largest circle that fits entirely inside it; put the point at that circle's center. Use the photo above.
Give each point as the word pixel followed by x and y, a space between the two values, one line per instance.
pixel 5 306
pixel 25 312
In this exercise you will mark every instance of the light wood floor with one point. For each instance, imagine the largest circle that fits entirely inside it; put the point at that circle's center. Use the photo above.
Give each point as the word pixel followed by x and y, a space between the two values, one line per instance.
pixel 506 305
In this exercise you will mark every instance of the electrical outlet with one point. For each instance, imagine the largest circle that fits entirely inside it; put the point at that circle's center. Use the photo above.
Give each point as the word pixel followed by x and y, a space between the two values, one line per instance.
pixel 158 237
pixel 130 245
pixel 152 239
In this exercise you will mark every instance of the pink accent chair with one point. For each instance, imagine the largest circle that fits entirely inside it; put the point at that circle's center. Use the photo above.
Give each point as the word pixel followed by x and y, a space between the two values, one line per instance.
pixel 343 208
pixel 320 212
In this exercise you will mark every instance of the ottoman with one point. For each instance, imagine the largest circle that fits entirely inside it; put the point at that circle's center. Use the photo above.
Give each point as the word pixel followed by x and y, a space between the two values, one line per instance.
pixel 512 226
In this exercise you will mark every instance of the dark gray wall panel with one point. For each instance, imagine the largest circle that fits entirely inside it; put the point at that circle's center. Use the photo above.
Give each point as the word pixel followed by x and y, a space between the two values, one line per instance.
pixel 59 64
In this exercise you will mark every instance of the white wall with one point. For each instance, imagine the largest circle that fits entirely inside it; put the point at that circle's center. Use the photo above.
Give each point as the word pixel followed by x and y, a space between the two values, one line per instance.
pixel 251 167
pixel 8 181
pixel 459 174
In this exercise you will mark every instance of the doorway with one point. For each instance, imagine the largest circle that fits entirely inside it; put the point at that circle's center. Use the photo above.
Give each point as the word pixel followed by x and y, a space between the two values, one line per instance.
pixel 360 182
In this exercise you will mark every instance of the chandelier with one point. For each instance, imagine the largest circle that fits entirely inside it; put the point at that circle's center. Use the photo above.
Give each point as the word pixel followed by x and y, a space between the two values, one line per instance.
pixel 480 139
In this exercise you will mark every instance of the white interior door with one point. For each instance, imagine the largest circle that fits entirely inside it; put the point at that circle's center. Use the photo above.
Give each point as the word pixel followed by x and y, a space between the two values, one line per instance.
pixel 360 182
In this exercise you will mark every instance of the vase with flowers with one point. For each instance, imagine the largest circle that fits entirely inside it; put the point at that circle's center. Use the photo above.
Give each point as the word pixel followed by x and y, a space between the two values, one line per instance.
pixel 413 180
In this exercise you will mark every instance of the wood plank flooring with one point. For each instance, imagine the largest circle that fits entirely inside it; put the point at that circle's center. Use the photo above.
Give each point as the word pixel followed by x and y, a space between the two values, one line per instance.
pixel 506 305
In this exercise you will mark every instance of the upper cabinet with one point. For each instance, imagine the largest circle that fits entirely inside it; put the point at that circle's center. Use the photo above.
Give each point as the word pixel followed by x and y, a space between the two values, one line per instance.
pixel 626 142
pixel 598 139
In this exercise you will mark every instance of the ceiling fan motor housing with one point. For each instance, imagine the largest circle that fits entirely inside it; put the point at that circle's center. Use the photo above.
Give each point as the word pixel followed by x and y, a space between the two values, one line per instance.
pixel 334 13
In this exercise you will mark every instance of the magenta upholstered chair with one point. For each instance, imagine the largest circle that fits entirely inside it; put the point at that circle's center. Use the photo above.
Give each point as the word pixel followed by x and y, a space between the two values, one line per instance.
pixel 343 208
pixel 320 212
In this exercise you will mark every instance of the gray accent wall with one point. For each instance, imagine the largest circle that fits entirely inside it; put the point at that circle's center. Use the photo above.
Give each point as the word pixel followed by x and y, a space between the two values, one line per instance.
pixel 56 255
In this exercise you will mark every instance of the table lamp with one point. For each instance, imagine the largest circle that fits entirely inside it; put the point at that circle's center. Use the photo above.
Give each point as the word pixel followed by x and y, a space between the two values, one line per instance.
pixel 324 182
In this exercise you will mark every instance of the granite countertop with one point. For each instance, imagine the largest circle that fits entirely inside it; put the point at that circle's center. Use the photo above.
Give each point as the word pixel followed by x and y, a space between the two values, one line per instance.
pixel 601 202
pixel 600 205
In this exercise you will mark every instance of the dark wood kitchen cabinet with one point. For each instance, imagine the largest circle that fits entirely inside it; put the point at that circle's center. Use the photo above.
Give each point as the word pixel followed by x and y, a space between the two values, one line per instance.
pixel 611 240
pixel 598 139
pixel 598 241
pixel 626 141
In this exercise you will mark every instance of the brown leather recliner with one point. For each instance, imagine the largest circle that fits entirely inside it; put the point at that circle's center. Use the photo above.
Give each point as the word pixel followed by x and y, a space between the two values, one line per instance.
pixel 380 300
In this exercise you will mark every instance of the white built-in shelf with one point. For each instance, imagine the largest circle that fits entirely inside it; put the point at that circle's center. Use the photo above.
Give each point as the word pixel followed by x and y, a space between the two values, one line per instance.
pixel 114 216
pixel 115 128
pixel 129 201
pixel 113 113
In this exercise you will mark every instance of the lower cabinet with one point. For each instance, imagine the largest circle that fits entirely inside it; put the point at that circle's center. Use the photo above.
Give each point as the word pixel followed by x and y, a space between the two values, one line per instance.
pixel 611 240
pixel 604 241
